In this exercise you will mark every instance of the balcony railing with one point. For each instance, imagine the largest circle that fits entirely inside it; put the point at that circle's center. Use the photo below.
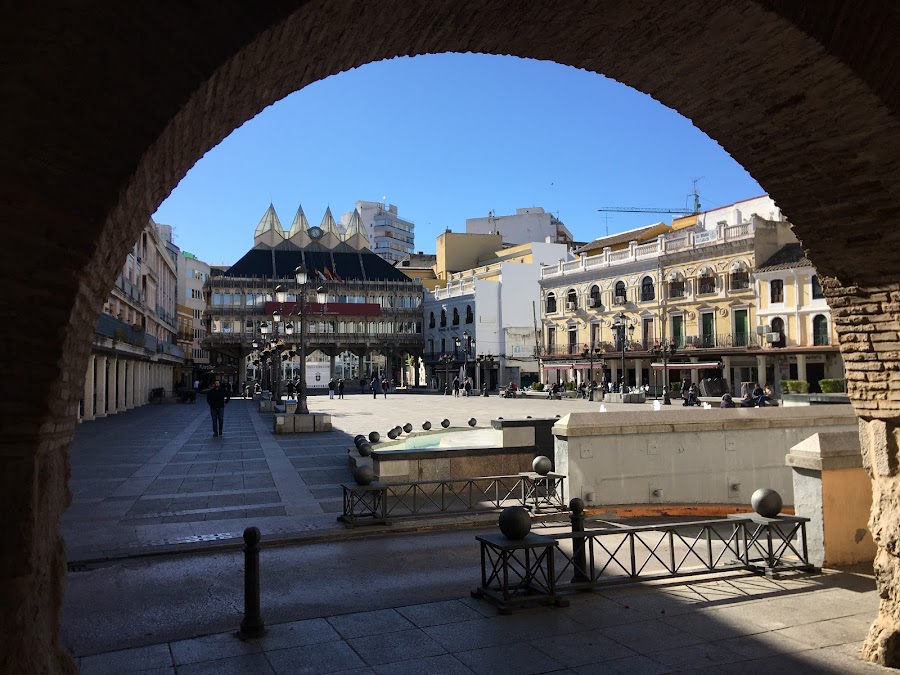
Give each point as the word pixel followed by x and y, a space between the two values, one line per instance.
pixel 718 341
pixel 821 339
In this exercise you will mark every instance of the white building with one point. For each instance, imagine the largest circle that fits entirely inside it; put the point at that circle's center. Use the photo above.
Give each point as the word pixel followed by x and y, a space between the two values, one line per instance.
pixel 531 224
pixel 192 274
pixel 492 310
pixel 391 237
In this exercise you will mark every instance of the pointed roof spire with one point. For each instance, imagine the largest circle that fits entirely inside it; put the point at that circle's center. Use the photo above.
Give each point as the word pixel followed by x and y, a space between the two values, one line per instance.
pixel 328 224
pixel 300 224
pixel 269 222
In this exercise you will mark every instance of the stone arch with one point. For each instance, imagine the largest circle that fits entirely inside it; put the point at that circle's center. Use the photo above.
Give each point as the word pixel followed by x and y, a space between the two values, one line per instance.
pixel 783 91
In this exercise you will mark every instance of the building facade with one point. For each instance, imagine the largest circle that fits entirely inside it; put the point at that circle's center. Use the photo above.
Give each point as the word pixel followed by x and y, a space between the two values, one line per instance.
pixel 193 273
pixel 692 285
pixel 390 236
pixel 357 315
pixel 527 225
pixel 135 348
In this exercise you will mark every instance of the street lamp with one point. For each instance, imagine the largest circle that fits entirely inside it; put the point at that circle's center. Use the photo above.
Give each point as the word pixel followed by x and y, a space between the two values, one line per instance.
pixel 665 349
pixel 621 324
pixel 589 353
pixel 446 359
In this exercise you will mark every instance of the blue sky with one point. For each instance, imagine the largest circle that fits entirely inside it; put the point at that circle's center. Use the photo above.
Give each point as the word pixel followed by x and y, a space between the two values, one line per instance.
pixel 449 137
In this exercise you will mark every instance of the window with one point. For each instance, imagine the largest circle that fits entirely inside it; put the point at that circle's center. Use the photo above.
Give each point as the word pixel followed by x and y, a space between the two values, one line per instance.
pixel 820 330
pixel 551 303
pixel 620 293
pixel 817 292
pixel 778 327
pixel 470 317
pixel 595 296
pixel 776 291
pixel 443 318
pixel 678 331
pixel 431 347
pixel 706 282
pixel 455 316
pixel 571 299
pixel 551 339
pixel 573 341
pixel 740 280
pixel 431 320
pixel 647 290
pixel 676 288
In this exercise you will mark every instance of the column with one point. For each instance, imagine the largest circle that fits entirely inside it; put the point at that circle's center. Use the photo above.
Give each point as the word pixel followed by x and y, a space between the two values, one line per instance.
pixel 694 371
pixel 129 385
pixel 331 361
pixel 120 387
pixel 613 372
pixel 761 370
pixel 638 372
pixel 416 378
pixel 726 373
pixel 801 367
pixel 100 393
pixel 89 391
pixel 111 386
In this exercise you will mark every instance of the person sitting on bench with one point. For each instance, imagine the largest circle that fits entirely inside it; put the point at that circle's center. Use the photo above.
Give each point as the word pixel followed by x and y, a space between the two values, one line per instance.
pixel 691 396
pixel 760 396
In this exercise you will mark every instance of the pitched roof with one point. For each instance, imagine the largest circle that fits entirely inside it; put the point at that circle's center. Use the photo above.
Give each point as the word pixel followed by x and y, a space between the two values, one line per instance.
pixel 620 238
pixel 791 255
pixel 268 222
pixel 300 224
pixel 362 265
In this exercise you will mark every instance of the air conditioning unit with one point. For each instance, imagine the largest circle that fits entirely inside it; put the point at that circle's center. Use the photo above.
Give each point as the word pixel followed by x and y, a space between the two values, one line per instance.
pixel 595 302
pixel 570 306
pixel 773 337
pixel 763 329
pixel 619 300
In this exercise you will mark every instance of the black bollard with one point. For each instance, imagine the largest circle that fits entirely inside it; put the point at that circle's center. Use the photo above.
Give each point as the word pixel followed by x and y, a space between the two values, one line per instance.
pixel 579 560
pixel 252 625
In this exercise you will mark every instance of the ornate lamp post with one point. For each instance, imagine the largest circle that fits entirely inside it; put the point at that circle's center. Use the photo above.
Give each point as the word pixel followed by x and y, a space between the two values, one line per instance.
pixel 589 353
pixel 665 349
pixel 621 324
pixel 446 359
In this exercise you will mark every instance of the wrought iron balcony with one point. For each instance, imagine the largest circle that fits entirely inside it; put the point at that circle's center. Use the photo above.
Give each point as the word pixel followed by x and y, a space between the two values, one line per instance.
pixel 718 341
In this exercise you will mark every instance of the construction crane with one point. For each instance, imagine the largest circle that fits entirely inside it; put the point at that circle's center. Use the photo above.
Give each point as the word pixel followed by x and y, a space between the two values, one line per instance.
pixel 641 209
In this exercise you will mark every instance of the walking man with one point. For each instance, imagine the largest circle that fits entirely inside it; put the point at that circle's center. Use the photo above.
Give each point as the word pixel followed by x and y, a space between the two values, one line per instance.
pixel 331 388
pixel 375 386
pixel 217 398
pixel 341 388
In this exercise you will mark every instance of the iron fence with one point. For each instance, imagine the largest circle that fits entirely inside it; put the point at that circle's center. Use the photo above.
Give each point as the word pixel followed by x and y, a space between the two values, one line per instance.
pixel 380 502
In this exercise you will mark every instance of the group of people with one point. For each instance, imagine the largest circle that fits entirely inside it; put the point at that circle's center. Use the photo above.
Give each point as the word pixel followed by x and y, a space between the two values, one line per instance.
pixel 465 387
pixel 381 386
pixel 750 396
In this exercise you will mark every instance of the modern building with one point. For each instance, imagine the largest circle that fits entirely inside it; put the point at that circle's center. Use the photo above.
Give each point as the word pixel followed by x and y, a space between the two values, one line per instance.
pixel 135 348
pixel 527 225
pixel 691 285
pixel 490 307
pixel 367 320
pixel 391 237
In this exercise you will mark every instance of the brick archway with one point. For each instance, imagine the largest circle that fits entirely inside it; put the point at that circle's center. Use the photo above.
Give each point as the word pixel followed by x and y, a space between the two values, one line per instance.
pixel 106 112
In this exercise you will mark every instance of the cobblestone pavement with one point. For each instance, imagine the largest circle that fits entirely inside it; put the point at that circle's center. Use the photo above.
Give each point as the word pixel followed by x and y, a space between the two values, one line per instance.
pixel 155 479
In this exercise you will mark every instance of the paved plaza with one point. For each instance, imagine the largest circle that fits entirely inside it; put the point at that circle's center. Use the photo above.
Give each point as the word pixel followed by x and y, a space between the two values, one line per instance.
pixel 155 480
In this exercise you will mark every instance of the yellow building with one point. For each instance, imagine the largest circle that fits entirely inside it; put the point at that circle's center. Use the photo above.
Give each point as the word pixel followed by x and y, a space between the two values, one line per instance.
pixel 420 267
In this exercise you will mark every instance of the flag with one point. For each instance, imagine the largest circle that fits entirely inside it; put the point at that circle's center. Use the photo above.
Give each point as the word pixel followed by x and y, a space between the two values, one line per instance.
pixel 327 273
pixel 335 274
pixel 320 275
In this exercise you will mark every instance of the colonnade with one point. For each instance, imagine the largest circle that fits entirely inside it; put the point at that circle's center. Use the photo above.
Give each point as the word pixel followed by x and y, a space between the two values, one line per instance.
pixel 114 384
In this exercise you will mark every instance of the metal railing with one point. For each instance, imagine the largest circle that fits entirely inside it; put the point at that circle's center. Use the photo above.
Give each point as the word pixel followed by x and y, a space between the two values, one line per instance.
pixel 720 340
pixel 379 502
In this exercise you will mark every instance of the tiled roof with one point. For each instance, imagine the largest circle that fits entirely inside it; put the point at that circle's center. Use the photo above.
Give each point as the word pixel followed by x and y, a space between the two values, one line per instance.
pixel 349 264
pixel 612 240
pixel 788 256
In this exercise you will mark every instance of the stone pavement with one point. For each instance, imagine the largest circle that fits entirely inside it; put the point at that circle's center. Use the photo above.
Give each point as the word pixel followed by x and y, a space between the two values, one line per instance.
pixel 154 479
pixel 732 624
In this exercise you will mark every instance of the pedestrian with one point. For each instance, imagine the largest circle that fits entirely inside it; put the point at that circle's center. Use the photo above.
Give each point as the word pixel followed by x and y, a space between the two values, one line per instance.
pixel 456 386
pixel 691 396
pixel 341 388
pixel 217 397
pixel 384 386
pixel 685 387
pixel 331 388
pixel 362 384
pixel 196 386
pixel 468 388
pixel 290 389
pixel 375 386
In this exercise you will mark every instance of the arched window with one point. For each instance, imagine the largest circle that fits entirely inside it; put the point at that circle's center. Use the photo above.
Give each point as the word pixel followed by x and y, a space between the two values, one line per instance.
pixel 817 292
pixel 470 316
pixel 776 290
pixel 706 281
pixel 648 292
pixel 443 318
pixel 571 300
pixel 619 296
pixel 455 316
pixel 778 328
pixel 551 303
pixel 740 276
pixel 595 296
pixel 820 330
pixel 431 321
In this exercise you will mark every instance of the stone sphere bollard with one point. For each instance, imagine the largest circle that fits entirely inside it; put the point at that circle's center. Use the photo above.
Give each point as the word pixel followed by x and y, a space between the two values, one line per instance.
pixel 542 465
pixel 363 475
pixel 392 434
pixel 407 427
pixel 426 425
pixel 472 421
pixel 445 423
pixel 359 438
pixel 766 502
pixel 365 449
pixel 576 505
pixel 374 437
pixel 514 522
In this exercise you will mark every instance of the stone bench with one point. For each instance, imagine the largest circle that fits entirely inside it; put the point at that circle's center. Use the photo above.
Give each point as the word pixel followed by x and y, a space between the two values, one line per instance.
pixel 302 424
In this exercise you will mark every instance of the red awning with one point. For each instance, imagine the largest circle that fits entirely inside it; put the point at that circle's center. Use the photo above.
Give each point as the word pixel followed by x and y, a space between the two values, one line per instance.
pixel 575 366
pixel 688 366
pixel 314 309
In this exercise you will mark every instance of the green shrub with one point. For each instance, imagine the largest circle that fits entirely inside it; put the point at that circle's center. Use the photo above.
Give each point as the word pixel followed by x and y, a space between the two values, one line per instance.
pixel 795 386
pixel 119 335
pixel 832 385
pixel 675 385
pixel 537 386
